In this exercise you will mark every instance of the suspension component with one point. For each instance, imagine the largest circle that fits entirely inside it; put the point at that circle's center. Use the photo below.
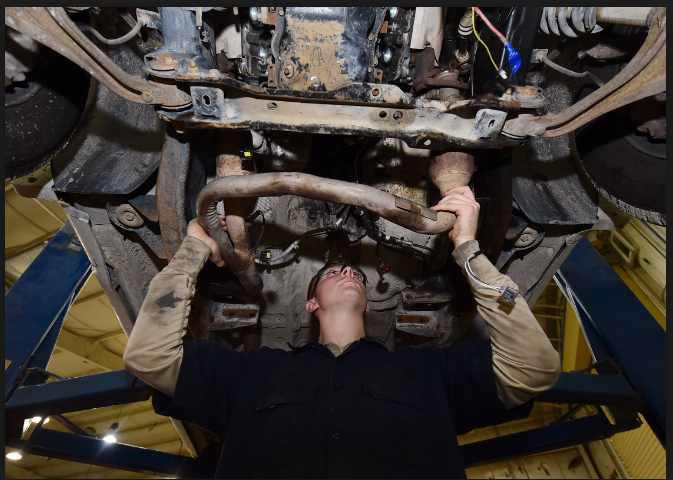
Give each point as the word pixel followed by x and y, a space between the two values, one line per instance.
pixel 556 20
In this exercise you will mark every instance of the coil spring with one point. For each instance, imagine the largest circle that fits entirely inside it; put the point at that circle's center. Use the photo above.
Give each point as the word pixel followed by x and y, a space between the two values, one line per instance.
pixel 555 20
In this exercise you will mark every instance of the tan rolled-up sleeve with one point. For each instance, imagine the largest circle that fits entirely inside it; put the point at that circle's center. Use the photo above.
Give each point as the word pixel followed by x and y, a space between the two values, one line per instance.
pixel 524 361
pixel 154 348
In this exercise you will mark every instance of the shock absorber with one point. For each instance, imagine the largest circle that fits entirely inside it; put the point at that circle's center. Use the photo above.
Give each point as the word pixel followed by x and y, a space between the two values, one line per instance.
pixel 461 57
pixel 569 21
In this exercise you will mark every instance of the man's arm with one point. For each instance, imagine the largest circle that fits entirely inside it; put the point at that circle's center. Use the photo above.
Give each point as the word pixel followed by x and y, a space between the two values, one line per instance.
pixel 524 361
pixel 154 350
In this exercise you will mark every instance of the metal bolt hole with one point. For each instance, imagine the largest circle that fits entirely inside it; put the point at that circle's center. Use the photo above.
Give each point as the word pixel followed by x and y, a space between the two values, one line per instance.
pixel 206 100
pixel 272 105
pixel 383 114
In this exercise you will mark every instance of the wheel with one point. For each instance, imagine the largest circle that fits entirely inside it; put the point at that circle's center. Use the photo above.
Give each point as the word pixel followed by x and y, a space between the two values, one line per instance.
pixel 624 154
pixel 42 110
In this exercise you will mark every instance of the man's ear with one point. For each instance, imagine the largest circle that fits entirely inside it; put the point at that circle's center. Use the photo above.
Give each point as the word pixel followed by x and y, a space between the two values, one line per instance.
pixel 367 309
pixel 312 306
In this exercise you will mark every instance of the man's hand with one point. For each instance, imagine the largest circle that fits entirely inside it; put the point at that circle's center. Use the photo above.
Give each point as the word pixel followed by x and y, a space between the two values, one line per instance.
pixel 461 202
pixel 194 229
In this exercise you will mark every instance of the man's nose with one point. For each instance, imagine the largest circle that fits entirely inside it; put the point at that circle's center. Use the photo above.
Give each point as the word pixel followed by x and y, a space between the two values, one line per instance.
pixel 347 271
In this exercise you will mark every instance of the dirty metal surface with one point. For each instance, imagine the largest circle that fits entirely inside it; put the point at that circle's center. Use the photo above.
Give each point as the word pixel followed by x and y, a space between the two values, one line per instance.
pixel 488 123
pixel 419 128
pixel 146 205
pixel 644 76
pixel 170 192
pixel 52 27
pixel 422 296
pixel 127 218
pixel 228 315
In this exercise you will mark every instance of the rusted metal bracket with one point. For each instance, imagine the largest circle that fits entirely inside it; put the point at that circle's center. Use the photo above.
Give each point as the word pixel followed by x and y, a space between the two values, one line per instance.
pixel 419 128
pixel 644 76
pixel 230 315
pixel 52 27
pixel 416 208
pixel 423 323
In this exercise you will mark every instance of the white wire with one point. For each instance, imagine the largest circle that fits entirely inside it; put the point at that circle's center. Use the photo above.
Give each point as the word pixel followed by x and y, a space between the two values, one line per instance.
pixel 471 274
pixel 293 246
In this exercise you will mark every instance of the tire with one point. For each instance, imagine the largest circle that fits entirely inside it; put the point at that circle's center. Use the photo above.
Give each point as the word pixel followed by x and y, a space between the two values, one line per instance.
pixel 42 112
pixel 626 167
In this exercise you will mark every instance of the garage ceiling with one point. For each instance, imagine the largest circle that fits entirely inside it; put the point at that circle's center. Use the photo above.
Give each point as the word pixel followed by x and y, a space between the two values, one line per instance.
pixel 91 342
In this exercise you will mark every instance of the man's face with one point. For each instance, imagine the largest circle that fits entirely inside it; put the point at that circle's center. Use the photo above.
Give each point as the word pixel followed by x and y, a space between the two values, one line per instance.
pixel 340 286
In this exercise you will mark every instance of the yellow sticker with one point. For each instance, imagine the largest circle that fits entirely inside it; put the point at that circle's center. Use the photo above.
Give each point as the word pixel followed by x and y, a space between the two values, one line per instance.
pixel 247 154
pixel 7 362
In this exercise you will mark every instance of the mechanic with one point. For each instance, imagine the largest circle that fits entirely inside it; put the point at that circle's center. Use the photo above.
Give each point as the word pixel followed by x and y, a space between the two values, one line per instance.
pixel 344 406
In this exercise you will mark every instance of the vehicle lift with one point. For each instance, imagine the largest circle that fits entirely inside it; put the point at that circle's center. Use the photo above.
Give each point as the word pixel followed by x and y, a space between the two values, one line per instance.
pixel 627 344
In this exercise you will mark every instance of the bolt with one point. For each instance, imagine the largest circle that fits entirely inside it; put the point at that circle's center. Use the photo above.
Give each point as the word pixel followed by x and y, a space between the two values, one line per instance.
pixel 393 12
pixel 129 216
pixel 281 12
pixel 254 14
pixel 387 55
pixel 376 61
pixel 147 97
pixel 315 81
pixel 288 70
pixel 369 69
pixel 193 69
pixel 370 37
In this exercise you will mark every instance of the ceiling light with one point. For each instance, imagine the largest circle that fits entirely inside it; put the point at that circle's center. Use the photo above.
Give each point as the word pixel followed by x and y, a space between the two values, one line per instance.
pixel 110 438
pixel 46 420
pixel 14 456
pixel 37 419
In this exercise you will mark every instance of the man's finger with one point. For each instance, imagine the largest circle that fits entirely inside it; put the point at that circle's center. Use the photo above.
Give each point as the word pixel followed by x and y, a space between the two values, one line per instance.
pixel 453 203
pixel 465 190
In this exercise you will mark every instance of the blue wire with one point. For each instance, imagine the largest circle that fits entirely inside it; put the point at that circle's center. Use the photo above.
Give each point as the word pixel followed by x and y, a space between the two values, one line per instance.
pixel 514 59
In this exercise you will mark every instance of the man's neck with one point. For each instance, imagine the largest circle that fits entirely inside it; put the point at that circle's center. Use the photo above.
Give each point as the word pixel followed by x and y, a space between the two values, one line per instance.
pixel 341 329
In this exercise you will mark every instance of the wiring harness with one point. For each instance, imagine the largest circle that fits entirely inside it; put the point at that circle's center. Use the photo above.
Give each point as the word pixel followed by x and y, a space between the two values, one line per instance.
pixel 507 294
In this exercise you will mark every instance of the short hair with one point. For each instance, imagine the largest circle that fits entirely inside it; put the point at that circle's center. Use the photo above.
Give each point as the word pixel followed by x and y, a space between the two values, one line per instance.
pixel 315 277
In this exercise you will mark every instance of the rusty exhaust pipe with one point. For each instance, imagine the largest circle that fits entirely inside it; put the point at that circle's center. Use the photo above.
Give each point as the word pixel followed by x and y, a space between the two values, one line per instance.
pixel 235 247
pixel 395 209
pixel 451 169
pixel 235 181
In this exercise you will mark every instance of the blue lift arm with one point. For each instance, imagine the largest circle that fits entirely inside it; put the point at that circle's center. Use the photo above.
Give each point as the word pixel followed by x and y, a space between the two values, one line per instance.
pixel 36 305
